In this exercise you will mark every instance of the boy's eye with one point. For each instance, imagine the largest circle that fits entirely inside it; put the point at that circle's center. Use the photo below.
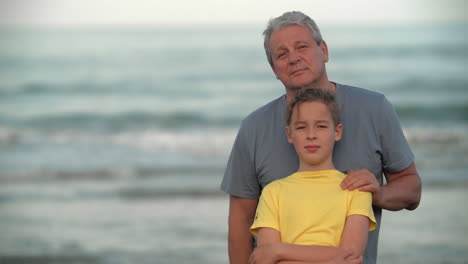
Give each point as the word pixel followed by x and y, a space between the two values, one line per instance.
pixel 300 127
pixel 322 126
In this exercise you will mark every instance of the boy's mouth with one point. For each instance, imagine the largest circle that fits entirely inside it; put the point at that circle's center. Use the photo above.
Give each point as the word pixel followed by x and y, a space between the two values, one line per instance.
pixel 312 148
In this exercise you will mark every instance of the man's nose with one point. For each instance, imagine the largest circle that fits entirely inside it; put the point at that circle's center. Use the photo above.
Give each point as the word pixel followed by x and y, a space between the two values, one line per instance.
pixel 294 57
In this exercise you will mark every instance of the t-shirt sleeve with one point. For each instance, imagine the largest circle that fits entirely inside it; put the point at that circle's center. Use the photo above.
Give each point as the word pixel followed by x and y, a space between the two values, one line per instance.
pixel 267 210
pixel 361 204
pixel 240 175
pixel 396 152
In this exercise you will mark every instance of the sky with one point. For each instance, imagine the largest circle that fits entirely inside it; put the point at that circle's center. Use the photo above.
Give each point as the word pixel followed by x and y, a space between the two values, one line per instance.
pixel 182 12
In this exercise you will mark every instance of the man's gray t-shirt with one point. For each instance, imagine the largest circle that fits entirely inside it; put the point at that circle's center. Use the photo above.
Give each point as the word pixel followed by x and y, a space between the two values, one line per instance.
pixel 372 139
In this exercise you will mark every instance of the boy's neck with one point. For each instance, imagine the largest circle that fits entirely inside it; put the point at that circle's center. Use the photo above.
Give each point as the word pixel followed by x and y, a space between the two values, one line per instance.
pixel 317 167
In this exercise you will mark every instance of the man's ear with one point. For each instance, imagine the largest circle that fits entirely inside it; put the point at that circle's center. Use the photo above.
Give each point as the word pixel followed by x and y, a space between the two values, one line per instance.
pixel 338 132
pixel 324 47
pixel 289 134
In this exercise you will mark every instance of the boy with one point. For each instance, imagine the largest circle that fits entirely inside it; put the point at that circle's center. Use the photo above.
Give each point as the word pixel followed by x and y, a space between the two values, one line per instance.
pixel 309 207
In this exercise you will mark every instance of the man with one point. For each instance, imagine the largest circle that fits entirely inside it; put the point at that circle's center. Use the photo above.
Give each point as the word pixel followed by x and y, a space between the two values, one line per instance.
pixel 372 145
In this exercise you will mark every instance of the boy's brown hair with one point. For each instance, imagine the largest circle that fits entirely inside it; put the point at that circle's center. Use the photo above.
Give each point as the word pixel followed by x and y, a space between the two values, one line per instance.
pixel 315 95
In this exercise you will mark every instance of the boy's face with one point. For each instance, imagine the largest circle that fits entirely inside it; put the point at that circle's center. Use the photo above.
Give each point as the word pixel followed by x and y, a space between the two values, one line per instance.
pixel 313 134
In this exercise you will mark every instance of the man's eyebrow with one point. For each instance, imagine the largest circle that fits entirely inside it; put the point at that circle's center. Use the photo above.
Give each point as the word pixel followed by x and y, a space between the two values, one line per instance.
pixel 299 41
pixel 282 47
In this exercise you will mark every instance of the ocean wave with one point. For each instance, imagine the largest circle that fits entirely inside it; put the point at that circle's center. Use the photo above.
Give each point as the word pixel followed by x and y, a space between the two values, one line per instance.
pixel 434 113
pixel 10 136
pixel 455 135
pixel 120 121
pixel 199 142
pixel 447 184
pixel 43 259
pixel 106 174
pixel 135 194
pixel 125 194
pixel 402 50
pixel 76 87
pixel 192 141
pixel 198 118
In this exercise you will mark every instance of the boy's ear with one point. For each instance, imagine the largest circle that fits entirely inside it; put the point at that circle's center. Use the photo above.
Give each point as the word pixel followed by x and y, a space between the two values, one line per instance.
pixel 289 134
pixel 338 132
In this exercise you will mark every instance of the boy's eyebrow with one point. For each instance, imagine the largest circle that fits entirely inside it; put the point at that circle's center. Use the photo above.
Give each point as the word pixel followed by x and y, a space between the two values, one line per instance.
pixel 299 122
pixel 316 121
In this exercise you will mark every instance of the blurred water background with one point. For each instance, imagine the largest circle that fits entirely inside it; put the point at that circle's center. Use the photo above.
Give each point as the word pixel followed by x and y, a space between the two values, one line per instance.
pixel 113 140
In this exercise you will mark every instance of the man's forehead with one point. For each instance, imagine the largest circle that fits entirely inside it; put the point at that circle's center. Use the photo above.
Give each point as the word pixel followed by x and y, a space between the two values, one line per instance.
pixel 299 32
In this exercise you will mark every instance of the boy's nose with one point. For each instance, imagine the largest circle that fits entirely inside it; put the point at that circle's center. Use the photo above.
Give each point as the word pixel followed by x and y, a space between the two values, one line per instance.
pixel 311 133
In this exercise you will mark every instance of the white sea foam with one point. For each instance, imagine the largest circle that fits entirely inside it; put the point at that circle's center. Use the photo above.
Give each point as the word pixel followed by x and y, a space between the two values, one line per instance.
pixel 197 142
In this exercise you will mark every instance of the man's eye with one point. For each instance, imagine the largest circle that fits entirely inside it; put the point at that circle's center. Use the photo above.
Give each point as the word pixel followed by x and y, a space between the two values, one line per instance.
pixel 302 46
pixel 300 127
pixel 281 55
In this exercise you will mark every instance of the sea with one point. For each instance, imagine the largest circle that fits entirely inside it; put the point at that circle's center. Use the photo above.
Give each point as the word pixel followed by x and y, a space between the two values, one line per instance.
pixel 114 139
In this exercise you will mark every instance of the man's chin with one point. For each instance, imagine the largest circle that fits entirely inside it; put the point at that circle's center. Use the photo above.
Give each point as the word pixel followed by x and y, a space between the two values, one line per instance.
pixel 300 85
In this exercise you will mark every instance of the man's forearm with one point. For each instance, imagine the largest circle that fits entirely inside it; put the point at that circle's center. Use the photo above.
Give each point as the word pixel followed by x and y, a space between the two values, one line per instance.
pixel 396 196
pixel 240 241
pixel 403 191
pixel 240 244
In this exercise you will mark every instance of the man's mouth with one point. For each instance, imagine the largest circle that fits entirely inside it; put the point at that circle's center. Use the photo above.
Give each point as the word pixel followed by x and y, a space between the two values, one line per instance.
pixel 298 71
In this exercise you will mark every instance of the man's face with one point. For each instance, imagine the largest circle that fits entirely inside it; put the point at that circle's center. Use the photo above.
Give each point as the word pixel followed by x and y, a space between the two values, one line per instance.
pixel 297 58
pixel 313 134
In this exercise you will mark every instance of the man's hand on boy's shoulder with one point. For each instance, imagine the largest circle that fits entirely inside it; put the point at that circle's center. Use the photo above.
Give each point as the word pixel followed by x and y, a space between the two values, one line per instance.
pixel 363 180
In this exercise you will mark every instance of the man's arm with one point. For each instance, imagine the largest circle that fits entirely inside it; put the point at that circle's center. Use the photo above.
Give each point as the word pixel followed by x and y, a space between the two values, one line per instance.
pixel 402 191
pixel 240 241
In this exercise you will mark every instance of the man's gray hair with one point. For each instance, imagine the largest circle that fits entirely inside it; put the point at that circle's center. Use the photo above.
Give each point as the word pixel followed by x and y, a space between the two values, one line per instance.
pixel 285 20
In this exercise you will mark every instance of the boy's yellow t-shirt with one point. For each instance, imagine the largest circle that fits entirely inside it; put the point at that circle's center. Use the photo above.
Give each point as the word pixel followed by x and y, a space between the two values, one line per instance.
pixel 310 208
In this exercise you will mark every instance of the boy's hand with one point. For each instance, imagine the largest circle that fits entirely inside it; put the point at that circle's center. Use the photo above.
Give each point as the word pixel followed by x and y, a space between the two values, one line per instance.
pixel 363 180
pixel 265 254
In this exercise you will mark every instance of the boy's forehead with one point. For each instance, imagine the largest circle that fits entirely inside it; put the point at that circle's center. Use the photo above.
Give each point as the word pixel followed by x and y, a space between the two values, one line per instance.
pixel 316 110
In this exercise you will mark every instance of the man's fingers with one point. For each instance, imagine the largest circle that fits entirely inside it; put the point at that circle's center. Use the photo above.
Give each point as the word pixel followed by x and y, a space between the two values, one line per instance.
pixel 367 188
pixel 349 181
pixel 355 183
